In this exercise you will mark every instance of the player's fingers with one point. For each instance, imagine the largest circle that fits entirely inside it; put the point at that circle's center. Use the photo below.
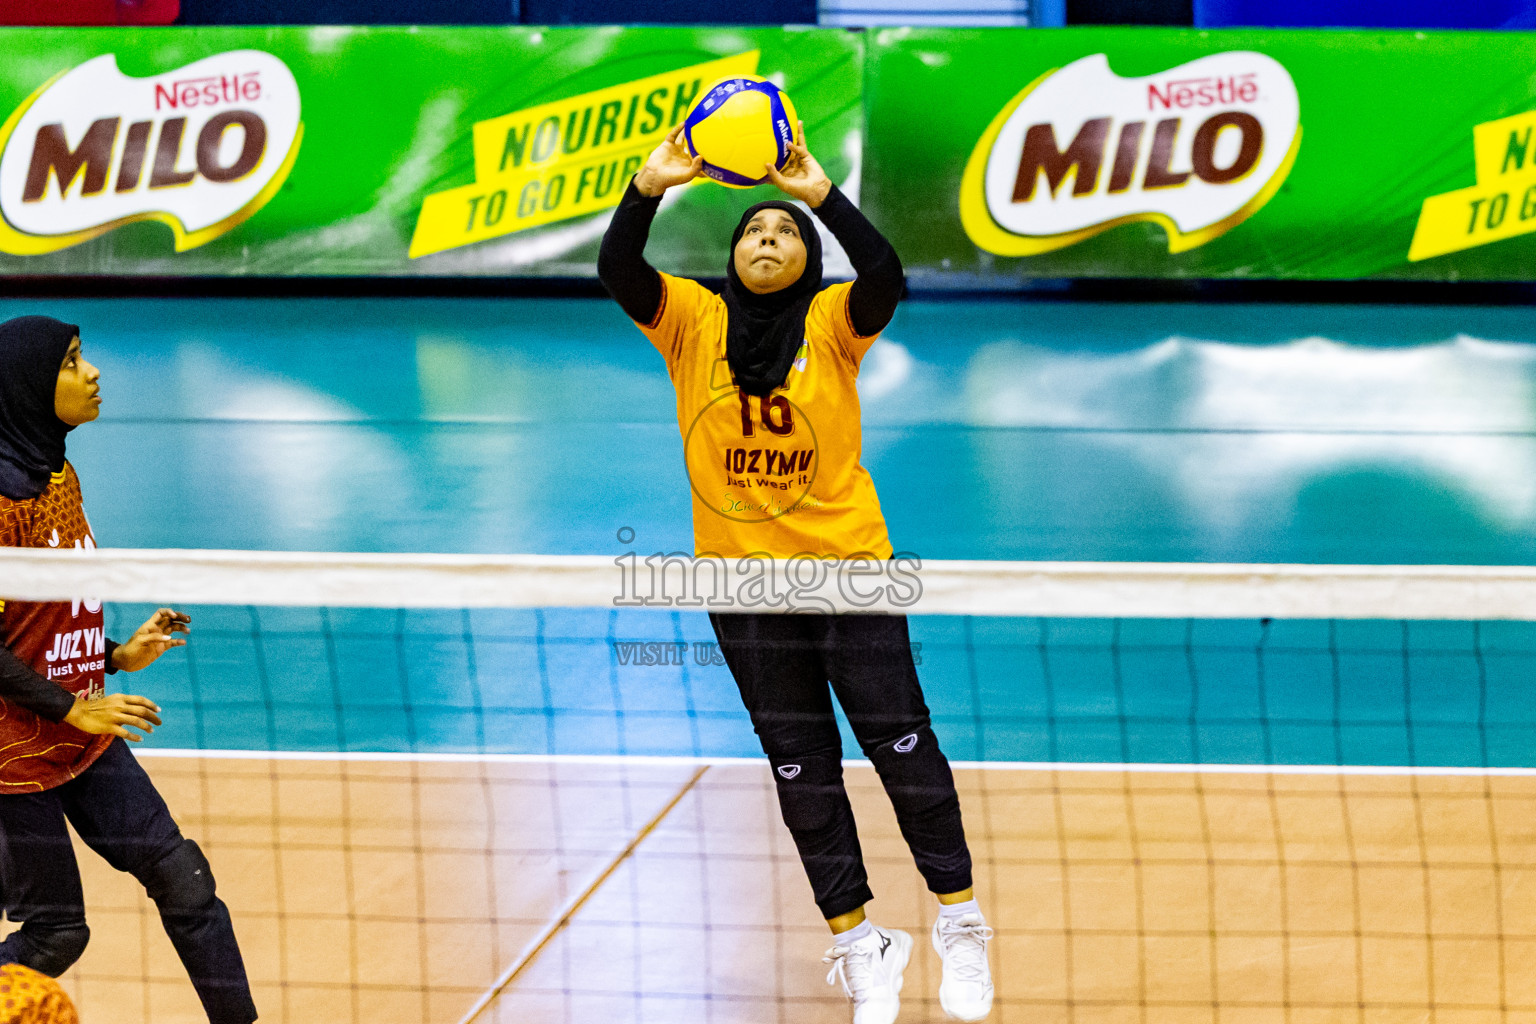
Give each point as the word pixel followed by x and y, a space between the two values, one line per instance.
pixel 118 728
pixel 676 131
pixel 136 722
pixel 134 700
pixel 775 175
pixel 135 716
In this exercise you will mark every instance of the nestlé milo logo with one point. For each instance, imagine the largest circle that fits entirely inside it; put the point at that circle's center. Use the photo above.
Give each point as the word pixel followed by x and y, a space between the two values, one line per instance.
pixel 1197 148
pixel 200 149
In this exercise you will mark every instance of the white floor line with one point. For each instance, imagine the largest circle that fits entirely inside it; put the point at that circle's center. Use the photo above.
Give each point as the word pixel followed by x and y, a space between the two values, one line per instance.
pixel 430 757
pixel 688 761
pixel 1243 769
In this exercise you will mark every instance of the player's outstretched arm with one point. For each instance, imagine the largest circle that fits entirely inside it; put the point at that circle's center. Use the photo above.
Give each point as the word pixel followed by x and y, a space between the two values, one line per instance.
pixel 873 298
pixel 621 266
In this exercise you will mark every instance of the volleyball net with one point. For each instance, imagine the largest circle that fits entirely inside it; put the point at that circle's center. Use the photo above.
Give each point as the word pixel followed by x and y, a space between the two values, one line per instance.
pixel 472 789
pixel 1022 661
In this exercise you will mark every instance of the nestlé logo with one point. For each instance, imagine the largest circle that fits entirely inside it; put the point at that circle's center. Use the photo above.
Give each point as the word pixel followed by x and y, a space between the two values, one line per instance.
pixel 200 149
pixel 1197 149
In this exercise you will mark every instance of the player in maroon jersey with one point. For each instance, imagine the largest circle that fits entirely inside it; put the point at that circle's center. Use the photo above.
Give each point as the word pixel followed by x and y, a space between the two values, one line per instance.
pixel 62 754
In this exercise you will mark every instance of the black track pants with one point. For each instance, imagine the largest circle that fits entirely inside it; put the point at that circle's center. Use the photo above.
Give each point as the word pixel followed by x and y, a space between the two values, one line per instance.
pixel 115 808
pixel 782 665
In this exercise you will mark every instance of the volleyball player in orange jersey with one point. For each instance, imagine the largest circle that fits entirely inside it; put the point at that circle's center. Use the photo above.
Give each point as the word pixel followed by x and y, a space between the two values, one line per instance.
pixel 768 407
pixel 62 754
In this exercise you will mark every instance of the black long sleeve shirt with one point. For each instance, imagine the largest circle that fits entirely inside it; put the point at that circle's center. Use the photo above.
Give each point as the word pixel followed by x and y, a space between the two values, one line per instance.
pixel 21 685
pixel 636 285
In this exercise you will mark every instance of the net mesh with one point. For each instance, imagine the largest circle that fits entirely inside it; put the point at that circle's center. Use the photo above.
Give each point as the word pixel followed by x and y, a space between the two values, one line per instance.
pixel 606 681
pixel 484 813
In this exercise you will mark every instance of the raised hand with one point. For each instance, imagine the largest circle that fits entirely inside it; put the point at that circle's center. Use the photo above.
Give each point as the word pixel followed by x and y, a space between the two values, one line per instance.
pixel 149 641
pixel 802 177
pixel 114 714
pixel 669 164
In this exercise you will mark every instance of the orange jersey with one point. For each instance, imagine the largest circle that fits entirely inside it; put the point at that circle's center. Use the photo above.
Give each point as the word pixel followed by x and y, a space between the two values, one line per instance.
pixel 778 475
pixel 63 641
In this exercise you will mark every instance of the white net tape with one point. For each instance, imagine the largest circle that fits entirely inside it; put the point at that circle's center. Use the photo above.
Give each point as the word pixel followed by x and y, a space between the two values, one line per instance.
pixel 1071 589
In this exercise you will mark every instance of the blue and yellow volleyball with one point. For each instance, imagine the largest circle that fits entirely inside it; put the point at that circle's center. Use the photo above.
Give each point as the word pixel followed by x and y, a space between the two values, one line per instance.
pixel 739 124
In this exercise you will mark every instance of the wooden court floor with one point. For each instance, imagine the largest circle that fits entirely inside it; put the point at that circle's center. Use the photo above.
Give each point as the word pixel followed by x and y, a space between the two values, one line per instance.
pixel 400 892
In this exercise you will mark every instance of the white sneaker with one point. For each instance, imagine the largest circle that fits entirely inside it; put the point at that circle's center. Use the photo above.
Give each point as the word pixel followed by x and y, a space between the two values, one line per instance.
pixel 870 971
pixel 966 990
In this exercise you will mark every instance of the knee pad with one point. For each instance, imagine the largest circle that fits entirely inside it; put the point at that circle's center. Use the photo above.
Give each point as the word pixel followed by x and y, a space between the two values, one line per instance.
pixel 53 949
pixel 913 763
pixel 915 746
pixel 810 790
pixel 181 881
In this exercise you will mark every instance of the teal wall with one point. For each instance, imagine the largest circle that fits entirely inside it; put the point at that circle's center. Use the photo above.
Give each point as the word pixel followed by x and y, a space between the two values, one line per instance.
pixel 1001 430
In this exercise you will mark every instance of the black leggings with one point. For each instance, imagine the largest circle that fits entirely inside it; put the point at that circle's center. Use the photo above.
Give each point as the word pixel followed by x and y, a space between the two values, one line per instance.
pixel 118 813
pixel 782 664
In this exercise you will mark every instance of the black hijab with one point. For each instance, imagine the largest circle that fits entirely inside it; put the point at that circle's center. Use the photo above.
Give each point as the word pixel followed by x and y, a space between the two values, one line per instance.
pixel 32 348
pixel 763 332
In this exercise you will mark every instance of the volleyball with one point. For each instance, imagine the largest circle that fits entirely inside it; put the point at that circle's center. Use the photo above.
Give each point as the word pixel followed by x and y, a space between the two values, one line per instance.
pixel 739 124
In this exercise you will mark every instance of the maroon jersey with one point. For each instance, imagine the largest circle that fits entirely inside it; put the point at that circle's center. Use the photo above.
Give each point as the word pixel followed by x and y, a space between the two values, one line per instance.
pixel 62 640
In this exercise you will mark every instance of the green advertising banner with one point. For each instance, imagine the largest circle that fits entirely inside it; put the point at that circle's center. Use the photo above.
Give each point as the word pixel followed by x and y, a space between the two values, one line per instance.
pixel 380 151
pixel 995 157
pixel 988 157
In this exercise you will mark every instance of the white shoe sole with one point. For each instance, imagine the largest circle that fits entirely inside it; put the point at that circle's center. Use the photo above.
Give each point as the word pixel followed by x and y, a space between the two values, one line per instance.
pixel 955 1016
